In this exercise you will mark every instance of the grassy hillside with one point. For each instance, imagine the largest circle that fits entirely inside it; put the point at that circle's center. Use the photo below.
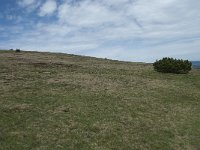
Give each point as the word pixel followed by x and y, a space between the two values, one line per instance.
pixel 57 101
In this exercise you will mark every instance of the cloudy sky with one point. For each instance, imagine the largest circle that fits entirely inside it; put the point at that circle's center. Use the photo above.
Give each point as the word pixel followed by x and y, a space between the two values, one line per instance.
pixel 132 30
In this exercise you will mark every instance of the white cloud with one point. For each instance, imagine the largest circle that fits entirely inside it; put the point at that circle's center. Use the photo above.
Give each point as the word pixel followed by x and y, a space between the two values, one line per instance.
pixel 87 13
pixel 48 8
pixel 138 30
pixel 29 5
pixel 26 2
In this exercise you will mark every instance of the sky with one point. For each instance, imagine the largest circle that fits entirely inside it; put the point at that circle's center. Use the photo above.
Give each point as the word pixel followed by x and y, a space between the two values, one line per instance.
pixel 129 30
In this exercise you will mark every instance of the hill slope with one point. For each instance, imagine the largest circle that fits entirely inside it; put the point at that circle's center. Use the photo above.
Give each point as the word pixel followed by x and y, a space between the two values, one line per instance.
pixel 58 101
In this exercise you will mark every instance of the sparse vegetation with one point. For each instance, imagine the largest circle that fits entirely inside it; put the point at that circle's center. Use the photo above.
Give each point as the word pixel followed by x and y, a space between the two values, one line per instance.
pixel 57 101
pixel 170 65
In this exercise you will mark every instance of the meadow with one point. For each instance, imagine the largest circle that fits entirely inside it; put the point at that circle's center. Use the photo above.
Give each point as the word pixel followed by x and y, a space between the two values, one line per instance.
pixel 54 101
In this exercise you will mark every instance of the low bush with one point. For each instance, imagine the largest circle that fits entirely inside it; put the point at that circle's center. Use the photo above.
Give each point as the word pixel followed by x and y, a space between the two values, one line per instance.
pixel 171 65
pixel 18 50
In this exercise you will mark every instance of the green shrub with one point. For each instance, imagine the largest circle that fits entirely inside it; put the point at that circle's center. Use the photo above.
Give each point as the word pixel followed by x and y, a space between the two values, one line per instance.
pixel 170 65
pixel 18 50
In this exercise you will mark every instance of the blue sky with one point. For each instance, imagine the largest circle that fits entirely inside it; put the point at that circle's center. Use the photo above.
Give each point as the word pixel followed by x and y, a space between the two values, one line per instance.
pixel 131 30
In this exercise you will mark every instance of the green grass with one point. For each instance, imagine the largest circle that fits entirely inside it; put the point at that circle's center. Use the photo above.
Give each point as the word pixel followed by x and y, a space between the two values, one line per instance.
pixel 56 101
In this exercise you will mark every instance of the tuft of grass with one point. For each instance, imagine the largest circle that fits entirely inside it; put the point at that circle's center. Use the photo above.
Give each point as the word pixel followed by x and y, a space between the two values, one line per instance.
pixel 58 101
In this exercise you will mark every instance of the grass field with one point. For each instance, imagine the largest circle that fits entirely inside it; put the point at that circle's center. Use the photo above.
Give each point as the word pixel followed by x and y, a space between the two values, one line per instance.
pixel 56 101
